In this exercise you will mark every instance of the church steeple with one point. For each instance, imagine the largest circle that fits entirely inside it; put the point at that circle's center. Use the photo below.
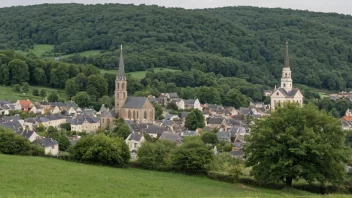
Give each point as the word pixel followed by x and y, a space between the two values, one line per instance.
pixel 286 80
pixel 120 86
pixel 287 59
pixel 121 72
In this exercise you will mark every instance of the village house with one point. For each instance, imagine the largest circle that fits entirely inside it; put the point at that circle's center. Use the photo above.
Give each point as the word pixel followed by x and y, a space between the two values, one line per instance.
pixel 217 122
pixel 174 137
pixel 223 136
pixel 193 104
pixel 84 124
pixel 25 105
pixel 134 142
pixel 189 133
pixel 51 146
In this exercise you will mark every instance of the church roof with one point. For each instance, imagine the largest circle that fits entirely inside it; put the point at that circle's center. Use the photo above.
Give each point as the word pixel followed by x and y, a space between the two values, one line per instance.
pixel 121 72
pixel 291 93
pixel 133 102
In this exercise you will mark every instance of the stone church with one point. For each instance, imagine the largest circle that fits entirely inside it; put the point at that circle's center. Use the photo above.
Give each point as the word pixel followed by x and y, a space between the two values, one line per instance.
pixel 285 93
pixel 137 109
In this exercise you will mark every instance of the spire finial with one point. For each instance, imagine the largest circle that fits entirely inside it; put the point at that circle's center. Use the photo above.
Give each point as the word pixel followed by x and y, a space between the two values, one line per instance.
pixel 287 61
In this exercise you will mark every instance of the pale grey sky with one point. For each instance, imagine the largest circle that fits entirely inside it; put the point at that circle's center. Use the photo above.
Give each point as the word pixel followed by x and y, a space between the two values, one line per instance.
pixel 339 6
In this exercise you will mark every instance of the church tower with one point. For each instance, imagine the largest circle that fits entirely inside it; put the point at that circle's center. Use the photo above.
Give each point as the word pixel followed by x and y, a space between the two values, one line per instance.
pixel 286 80
pixel 120 86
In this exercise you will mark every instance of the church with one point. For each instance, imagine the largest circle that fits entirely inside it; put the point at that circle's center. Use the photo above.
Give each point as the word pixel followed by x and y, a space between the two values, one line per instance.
pixel 137 109
pixel 285 93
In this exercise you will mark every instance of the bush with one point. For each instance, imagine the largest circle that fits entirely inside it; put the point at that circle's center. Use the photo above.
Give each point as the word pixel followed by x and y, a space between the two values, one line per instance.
pixel 221 176
pixel 156 155
pixel 101 149
pixel 13 144
pixel 192 157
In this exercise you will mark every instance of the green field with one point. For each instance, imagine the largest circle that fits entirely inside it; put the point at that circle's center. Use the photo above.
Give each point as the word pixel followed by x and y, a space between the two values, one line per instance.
pixel 138 74
pixel 38 50
pixel 47 177
pixel 6 93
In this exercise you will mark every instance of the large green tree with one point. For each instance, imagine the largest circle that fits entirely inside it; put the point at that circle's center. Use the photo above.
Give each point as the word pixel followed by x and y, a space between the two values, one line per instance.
pixel 71 87
pixel 18 71
pixel 82 99
pixel 195 120
pixel 97 86
pixel 297 143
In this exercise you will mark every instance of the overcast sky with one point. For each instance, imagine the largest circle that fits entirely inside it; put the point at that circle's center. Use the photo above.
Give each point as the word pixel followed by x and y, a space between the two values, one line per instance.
pixel 339 6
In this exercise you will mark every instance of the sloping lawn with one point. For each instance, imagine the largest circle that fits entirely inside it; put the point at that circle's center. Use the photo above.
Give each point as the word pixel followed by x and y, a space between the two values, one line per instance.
pixel 47 177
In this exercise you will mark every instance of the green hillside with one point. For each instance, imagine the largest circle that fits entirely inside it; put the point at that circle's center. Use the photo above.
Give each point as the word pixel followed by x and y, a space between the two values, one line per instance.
pixel 7 93
pixel 45 177
pixel 138 74
pixel 244 42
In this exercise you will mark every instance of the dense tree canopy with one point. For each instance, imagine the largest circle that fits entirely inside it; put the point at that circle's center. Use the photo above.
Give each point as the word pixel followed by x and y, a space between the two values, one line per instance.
pixel 297 143
pixel 244 42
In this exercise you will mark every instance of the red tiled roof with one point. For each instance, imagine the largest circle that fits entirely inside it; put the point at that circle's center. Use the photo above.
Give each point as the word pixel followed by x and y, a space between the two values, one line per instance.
pixel 347 118
pixel 25 103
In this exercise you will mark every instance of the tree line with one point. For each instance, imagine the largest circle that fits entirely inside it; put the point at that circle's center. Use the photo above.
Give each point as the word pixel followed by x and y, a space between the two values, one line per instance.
pixel 243 42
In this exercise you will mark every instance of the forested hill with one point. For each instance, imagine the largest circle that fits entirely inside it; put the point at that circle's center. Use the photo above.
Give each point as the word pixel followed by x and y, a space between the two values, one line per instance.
pixel 245 42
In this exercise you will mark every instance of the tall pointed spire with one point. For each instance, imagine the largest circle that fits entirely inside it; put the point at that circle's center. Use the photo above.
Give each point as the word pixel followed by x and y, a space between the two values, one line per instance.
pixel 121 72
pixel 287 61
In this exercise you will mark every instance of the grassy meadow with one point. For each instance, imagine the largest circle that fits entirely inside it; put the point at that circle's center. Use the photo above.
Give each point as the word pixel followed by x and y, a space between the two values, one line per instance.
pixel 46 177
pixel 6 93
pixel 138 74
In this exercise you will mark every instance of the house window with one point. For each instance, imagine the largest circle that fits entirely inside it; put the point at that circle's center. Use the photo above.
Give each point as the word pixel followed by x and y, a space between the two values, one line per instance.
pixel 277 93
pixel 118 85
pixel 123 85
pixel 284 85
pixel 151 115
pixel 137 115
pixel 53 147
pixel 286 75
pixel 129 114
pixel 145 114
pixel 134 115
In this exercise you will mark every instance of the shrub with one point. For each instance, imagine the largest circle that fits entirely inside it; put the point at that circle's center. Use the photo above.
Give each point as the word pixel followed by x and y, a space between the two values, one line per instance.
pixel 101 149
pixel 156 155
pixel 221 176
pixel 192 157
pixel 13 144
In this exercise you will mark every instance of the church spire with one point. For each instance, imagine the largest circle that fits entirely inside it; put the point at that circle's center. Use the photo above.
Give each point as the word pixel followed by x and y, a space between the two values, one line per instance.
pixel 121 72
pixel 287 61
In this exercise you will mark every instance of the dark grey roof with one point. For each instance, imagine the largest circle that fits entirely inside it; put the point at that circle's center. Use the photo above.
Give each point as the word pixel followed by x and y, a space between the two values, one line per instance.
pixel 189 133
pixel 121 72
pixel 184 114
pixel 27 134
pixel 173 95
pixel 236 129
pixel 46 142
pixel 190 102
pixel 108 114
pixel 14 125
pixel 133 102
pixel 216 120
pixel 292 93
pixel 80 120
pixel 245 111
pixel 171 136
pixel 176 99
pixel 223 134
pixel 155 129
pixel 237 153
pixel 169 116
pixel 135 137
pixel 103 108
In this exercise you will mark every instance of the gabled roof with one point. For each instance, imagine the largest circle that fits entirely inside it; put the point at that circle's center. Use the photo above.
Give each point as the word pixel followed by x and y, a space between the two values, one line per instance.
pixel 46 142
pixel 25 103
pixel 216 120
pixel 190 133
pixel 121 72
pixel 135 136
pixel 223 134
pixel 190 102
pixel 173 95
pixel 291 93
pixel 133 102
pixel 155 129
pixel 184 114
pixel 171 136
